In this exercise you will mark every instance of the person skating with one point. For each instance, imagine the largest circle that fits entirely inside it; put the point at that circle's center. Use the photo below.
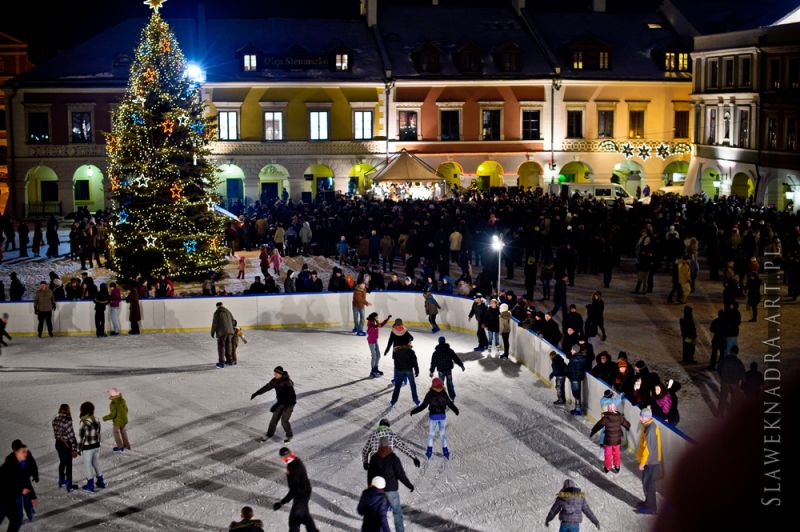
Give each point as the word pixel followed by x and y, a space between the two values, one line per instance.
pixel 398 337
pixel 570 506
pixel 248 522
pixel 222 328
pixel 492 321
pixel 373 506
pixel 101 301
pixel 386 464
pixel 443 361
pixel 649 458
pixel 437 402
pixel 44 304
pixel 360 305
pixel 89 447
pixel 576 370
pixel 559 373
pixel 282 409
pixel 505 328
pixel 405 369
pixel 479 311
pixel 431 310
pixel 118 415
pixel 613 422
pixel 66 445
pixel 373 328
pixel 14 485
pixel 30 471
pixel 238 335
pixel 299 492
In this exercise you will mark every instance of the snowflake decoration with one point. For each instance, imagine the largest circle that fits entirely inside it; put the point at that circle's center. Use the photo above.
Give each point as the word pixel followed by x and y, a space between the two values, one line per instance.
pixel 122 217
pixel 176 190
pixel 644 152
pixel 150 241
pixel 626 150
pixel 190 246
pixel 168 126
pixel 662 151
pixel 681 148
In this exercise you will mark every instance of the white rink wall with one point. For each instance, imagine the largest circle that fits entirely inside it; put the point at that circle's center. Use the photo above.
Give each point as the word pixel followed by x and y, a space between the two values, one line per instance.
pixel 326 310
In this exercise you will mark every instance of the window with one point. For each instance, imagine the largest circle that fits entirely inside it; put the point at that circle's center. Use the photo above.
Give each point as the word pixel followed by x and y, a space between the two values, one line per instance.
pixel 745 69
pixel 681 124
pixel 531 125
pixel 38 127
pixel 774 73
pixel 250 62
pixel 449 124
pixel 636 124
pixel 744 128
pixel 427 59
pixel 490 122
pixel 82 127
pixel 683 62
pixel 697 71
pixel 49 191
pixel 726 127
pixel 713 74
pixel 273 125
pixel 605 124
pixel 407 125
pixel 711 127
pixel 577 60
pixel 603 64
pixel 469 60
pixel 698 114
pixel 82 190
pixel 2 119
pixel 669 61
pixel 510 60
pixel 362 125
pixel 791 133
pixel 772 133
pixel 342 62
pixel 318 125
pixel 228 122
pixel 794 74
pixel 575 124
pixel 729 72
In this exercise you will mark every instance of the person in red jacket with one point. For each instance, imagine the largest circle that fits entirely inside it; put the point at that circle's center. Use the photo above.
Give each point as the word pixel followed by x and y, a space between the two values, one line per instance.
pixel 436 401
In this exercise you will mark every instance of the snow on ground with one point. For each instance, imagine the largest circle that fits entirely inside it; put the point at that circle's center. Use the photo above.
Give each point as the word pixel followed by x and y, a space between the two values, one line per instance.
pixel 196 459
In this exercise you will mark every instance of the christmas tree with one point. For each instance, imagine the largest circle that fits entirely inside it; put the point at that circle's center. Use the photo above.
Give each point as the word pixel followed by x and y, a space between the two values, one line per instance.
pixel 162 182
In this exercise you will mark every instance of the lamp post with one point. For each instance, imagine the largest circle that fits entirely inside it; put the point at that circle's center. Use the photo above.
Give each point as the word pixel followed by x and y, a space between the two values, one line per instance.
pixel 497 245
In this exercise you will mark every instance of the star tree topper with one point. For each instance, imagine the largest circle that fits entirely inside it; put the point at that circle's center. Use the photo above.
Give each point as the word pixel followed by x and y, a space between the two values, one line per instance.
pixel 155 5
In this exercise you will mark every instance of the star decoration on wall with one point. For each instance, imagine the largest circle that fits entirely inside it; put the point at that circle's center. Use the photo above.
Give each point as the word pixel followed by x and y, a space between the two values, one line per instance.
pixel 167 126
pixel 150 241
pixel 626 150
pixel 122 217
pixel 190 246
pixel 644 152
pixel 166 45
pixel 150 75
pixel 155 5
pixel 176 190
pixel 114 183
pixel 662 151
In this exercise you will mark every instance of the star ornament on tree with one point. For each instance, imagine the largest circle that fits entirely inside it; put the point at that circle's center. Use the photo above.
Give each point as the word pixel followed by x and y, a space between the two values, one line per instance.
pixel 190 246
pixel 176 190
pixel 122 217
pixel 626 150
pixel 168 126
pixel 644 152
pixel 662 151
pixel 198 127
pixel 114 183
pixel 166 45
pixel 150 241
pixel 150 75
pixel 155 5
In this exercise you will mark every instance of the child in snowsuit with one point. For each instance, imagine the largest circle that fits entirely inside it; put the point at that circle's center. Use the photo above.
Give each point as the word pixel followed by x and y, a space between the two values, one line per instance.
pixel 569 506
pixel 238 334
pixel 437 402
pixel 373 326
pixel 613 422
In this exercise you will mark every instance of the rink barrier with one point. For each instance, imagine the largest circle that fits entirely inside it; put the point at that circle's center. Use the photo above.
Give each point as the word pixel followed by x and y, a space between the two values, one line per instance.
pixel 273 311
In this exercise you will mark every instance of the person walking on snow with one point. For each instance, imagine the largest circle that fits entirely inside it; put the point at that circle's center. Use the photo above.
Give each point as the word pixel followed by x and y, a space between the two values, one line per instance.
pixel 299 492
pixel 373 328
pixel 222 328
pixel 613 423
pixel 443 360
pixel 431 309
pixel 437 402
pixel 360 305
pixel 649 457
pixel 570 506
pixel 386 464
pixel 373 505
pixel 282 409
pixel 118 415
pixel 395 442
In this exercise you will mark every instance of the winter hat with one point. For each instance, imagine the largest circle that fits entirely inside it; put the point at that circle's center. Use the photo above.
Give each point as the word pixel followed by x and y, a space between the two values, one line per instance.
pixel 279 369
pixel 646 413
pixel 640 364
pixel 384 423
pixel 608 394
pixel 398 322
pixel 113 392
pixel 437 383
pixel 378 482
pixel 384 442
pixel 284 451
pixel 503 308
pixel 478 295
pixel 442 340
pixel 219 303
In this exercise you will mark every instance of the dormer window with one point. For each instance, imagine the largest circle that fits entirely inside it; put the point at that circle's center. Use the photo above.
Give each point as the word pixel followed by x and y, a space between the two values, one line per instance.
pixel 250 62
pixel 577 60
pixel 342 62
pixel 676 62
pixel 603 61
pixel 427 59
pixel 468 59
pixel 509 59
pixel 247 56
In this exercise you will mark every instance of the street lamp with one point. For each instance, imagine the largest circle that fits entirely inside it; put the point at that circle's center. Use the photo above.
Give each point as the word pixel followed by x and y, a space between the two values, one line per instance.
pixel 498 245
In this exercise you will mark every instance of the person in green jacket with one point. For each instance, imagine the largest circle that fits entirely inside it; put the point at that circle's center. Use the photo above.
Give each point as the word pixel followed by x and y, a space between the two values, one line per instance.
pixel 118 414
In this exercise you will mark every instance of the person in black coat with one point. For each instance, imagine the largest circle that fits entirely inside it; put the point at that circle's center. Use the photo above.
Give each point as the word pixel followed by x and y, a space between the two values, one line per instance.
pixel 551 333
pixel 689 335
pixel 282 409
pixel 299 492
pixel 571 337
pixel 594 317
pixel 373 505
pixel 479 311
pixel 753 286
pixel 437 402
pixel 559 373
pixel 399 336
pixel 674 416
pixel 248 523
pixel 16 288
pixel 573 320
pixel 560 297
pixel 14 485
pixel 605 370
pixel 443 360
pixel 406 368
pixel 717 329
pixel 386 464
pixel 31 473
pixel 576 369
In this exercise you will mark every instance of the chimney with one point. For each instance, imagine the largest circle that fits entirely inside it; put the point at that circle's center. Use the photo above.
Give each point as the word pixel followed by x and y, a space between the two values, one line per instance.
pixel 372 12
pixel 599 6
pixel 518 6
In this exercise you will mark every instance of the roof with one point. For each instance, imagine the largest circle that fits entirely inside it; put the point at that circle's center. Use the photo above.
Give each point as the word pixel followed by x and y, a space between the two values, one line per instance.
pixel 404 166
pixel 719 16
pixel 452 28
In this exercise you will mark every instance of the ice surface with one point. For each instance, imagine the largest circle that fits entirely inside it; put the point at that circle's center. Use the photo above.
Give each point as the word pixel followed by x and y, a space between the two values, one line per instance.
pixel 196 459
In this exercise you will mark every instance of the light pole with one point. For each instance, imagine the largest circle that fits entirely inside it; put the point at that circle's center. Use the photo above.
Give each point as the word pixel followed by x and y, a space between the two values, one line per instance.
pixel 497 245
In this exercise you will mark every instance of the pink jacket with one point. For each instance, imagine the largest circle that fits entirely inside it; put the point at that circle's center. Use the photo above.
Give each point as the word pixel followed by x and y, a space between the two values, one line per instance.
pixel 372 331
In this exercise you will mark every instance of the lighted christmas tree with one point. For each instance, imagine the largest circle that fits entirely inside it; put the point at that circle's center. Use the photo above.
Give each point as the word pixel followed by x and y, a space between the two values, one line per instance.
pixel 162 182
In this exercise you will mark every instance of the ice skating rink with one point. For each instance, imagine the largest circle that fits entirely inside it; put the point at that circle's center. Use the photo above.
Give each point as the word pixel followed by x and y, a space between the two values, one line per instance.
pixel 196 458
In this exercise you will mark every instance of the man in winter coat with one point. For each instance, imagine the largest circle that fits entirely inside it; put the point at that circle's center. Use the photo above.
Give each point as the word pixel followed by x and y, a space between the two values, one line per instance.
pixel 576 369
pixel 386 464
pixel 299 492
pixel 222 327
pixel 718 340
pixel 431 310
pixel 248 523
pixel 479 311
pixel 559 373
pixel 15 288
pixel 395 442
pixel 360 305
pixel 443 360
pixel 570 506
pixel 613 422
pixel 14 484
pixel 605 370
pixel 282 409
pixel 373 505
pixel 44 304
pixel 649 457
pixel 574 320
pixel 550 331
pixel 731 374
pixel 405 369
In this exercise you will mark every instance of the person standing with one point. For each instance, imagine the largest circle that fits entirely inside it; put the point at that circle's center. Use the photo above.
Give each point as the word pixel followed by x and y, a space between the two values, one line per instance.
pixel 560 296
pixel 44 304
pixel 753 382
pixel 731 374
pixel 373 506
pixel 30 474
pixel 530 277
pixel 689 335
pixel 66 445
pixel 15 288
pixel 649 457
pixel 479 312
pixel 114 298
pixel 36 245
pixel 222 327
pixel 395 442
pixel 505 328
pixel 492 321
pixel 684 279
pixel 118 415
pixel 14 485
pixel 613 422
pixel 431 309
pixel 360 305
pixel 52 238
pixel 717 340
pixel 283 408
pixel 134 311
pixel 732 319
pixel 386 464
pixel 443 361
pixel 594 316
pixel 576 370
pixel 753 286
pixel 299 492
pixel 405 369
pixel 101 301
pixel 89 446
pixel 437 402
pixel 22 230
pixel 373 328
pixel 559 372
pixel 570 506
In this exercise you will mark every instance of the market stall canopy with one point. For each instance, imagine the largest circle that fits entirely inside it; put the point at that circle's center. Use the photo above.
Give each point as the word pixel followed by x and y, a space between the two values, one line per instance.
pixel 404 167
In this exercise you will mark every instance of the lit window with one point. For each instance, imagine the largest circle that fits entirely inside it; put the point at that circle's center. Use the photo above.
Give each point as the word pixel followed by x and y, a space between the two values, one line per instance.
pixel 669 61
pixel 228 122
pixel 636 123
pixel 362 125
pixel 342 62
pixel 603 60
pixel 407 125
pixel 683 62
pixel 250 62
pixel 491 124
pixel 82 127
pixel 273 125
pixel 318 125
pixel 654 25
pixel 577 60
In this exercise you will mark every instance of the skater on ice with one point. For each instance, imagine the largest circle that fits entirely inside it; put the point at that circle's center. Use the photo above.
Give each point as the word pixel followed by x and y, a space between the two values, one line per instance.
pixel 118 415
pixel 558 371
pixel 570 506
pixel 66 445
pixel 386 464
pixel 89 447
pixel 299 492
pixel 649 457
pixel 398 337
pixel 31 474
pixel 14 485
pixel 443 361
pixel 431 310
pixel 437 402
pixel 248 522
pixel 406 368
pixel 282 409
pixel 613 422
pixel 373 506
pixel 395 442
pixel 373 329
pixel 479 312
pixel 222 328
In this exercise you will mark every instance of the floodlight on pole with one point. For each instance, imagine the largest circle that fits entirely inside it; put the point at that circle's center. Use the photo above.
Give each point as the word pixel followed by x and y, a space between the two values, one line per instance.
pixel 498 245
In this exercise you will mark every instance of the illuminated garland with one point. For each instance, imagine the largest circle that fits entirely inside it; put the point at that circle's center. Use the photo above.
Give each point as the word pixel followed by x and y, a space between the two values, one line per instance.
pixel 644 151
